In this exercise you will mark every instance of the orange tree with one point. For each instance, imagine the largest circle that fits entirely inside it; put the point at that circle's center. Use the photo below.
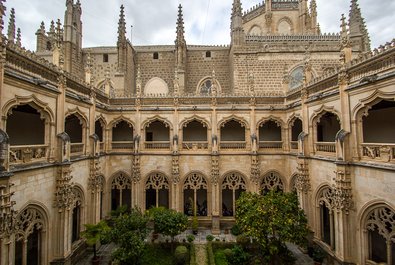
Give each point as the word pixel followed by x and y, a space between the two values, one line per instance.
pixel 272 219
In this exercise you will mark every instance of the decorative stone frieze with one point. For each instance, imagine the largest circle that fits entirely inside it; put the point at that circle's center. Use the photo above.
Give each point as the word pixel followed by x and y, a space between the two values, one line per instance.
pixel 175 169
pixel 64 196
pixel 255 171
pixel 136 173
pixel 343 199
pixel 214 169
pixel 303 179
pixel 7 213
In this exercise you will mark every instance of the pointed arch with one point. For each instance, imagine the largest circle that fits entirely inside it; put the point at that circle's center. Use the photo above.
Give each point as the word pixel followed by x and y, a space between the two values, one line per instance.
pixel 277 120
pixel 156 86
pixel 79 114
pixel 285 26
pixel 317 114
pixel 365 104
pixel 165 121
pixel 255 30
pixel 243 122
pixel 197 118
pixel 32 100
pixel 205 86
pixel 233 183
pixel 119 119
pixel 102 120
pixel 157 190
pixel 121 190
pixel 272 180
pixel 195 192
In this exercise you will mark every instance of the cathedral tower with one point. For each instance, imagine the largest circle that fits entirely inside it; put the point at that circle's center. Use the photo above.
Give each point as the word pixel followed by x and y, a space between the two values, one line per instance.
pixel 359 35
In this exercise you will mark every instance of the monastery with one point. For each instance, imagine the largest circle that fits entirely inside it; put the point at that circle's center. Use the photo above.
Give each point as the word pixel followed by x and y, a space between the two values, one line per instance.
pixel 283 106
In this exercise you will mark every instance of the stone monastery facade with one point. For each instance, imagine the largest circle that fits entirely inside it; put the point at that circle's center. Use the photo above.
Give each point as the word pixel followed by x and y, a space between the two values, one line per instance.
pixel 284 107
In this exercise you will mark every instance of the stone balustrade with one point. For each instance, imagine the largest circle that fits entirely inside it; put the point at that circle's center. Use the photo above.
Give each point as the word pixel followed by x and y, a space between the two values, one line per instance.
pixel 195 145
pixel 76 149
pixel 378 151
pixel 226 145
pixel 271 145
pixel 326 147
pixel 122 145
pixel 158 145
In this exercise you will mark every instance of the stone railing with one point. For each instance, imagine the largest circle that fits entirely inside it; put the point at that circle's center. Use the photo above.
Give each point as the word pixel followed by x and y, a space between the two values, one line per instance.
pixel 292 38
pixel 378 151
pixel 158 145
pixel 271 145
pixel 294 145
pixel 226 145
pixel 326 147
pixel 76 149
pixel 195 145
pixel 101 147
pixel 122 145
pixel 20 154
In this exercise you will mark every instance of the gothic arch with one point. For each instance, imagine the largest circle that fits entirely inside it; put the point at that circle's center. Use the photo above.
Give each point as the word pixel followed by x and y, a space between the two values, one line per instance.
pixel 126 178
pixel 292 119
pixel 156 179
pixel 236 172
pixel 365 104
pixel 79 114
pixel 102 120
pixel 317 115
pixel 42 107
pixel 196 179
pixel 79 194
pixel 324 194
pixel 279 122
pixel 156 86
pixel 285 21
pixel 197 118
pixel 195 191
pixel 203 80
pixel 240 120
pixel 293 182
pixel 165 121
pixel 119 119
pixel 271 180
pixel 255 30
pixel 157 190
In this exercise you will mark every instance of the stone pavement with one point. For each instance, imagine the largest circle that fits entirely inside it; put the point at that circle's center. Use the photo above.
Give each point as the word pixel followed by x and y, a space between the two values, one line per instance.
pixel 105 250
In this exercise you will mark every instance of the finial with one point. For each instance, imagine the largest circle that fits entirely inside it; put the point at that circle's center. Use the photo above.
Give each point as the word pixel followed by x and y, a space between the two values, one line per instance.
pixel 236 9
pixel 180 27
pixel 122 25
pixel 2 14
pixel 343 24
pixel 59 32
pixel 19 38
pixel 42 27
pixel 11 26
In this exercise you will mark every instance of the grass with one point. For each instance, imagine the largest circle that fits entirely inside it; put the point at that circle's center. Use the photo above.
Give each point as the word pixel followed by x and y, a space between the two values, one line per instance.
pixel 158 254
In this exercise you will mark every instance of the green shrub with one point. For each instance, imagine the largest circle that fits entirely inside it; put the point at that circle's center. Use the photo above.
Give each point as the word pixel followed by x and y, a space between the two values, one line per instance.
pixel 190 238
pixel 220 257
pixel 235 230
pixel 181 255
pixel 228 253
pixel 193 255
pixel 156 254
pixel 210 238
pixel 239 256
pixel 242 240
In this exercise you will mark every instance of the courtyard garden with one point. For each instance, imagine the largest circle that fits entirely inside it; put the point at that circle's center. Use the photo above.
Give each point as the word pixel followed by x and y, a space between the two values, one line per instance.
pixel 268 230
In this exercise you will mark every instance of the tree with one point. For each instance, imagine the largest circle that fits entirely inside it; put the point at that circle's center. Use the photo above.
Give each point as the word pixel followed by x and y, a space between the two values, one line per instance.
pixel 272 219
pixel 128 233
pixel 94 233
pixel 169 222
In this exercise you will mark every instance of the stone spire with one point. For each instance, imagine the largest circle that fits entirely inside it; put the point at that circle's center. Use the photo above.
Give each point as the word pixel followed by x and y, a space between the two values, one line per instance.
pixel 237 32
pixel 313 10
pixel 2 14
pixel 122 26
pixel 180 28
pixel 358 29
pixel 11 27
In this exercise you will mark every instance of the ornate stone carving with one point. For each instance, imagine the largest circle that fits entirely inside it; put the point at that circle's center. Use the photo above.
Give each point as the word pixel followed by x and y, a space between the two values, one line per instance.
pixel 255 170
pixel 234 181
pixel 303 179
pixel 136 174
pixel 157 181
pixel 7 213
pixel 272 181
pixel 64 196
pixel 175 169
pixel 343 192
pixel 195 181
pixel 121 182
pixel 26 221
pixel 327 198
pixel 214 169
pixel 382 219
pixel 95 181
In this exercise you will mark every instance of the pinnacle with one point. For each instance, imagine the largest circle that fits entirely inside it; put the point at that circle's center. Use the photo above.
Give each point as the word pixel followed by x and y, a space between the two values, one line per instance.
pixel 121 24
pixel 180 26
pixel 236 9
pixel 11 26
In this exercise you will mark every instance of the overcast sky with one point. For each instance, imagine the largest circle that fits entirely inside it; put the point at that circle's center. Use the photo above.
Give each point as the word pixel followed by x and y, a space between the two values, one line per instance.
pixel 206 21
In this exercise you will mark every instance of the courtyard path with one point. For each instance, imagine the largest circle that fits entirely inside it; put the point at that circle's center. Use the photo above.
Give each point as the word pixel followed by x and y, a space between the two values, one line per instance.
pixel 201 254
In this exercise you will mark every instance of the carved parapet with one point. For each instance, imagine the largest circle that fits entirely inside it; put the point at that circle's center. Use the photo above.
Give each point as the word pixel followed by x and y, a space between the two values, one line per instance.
pixel 64 196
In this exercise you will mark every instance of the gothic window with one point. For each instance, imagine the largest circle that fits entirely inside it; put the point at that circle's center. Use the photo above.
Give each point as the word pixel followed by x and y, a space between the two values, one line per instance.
pixel 121 191
pixel 233 130
pixel 296 77
pixel 157 131
pixel 195 195
pixel 99 128
pixel 73 128
pixel 380 224
pixel 22 119
pixel 270 135
pixel 380 116
pixel 30 230
pixel 271 181
pixel 205 88
pixel 326 213
pixel 232 187
pixel 157 191
pixel 49 46
pixel 122 131
pixel 194 131
pixel 327 127
pixel 296 129
pixel 76 216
